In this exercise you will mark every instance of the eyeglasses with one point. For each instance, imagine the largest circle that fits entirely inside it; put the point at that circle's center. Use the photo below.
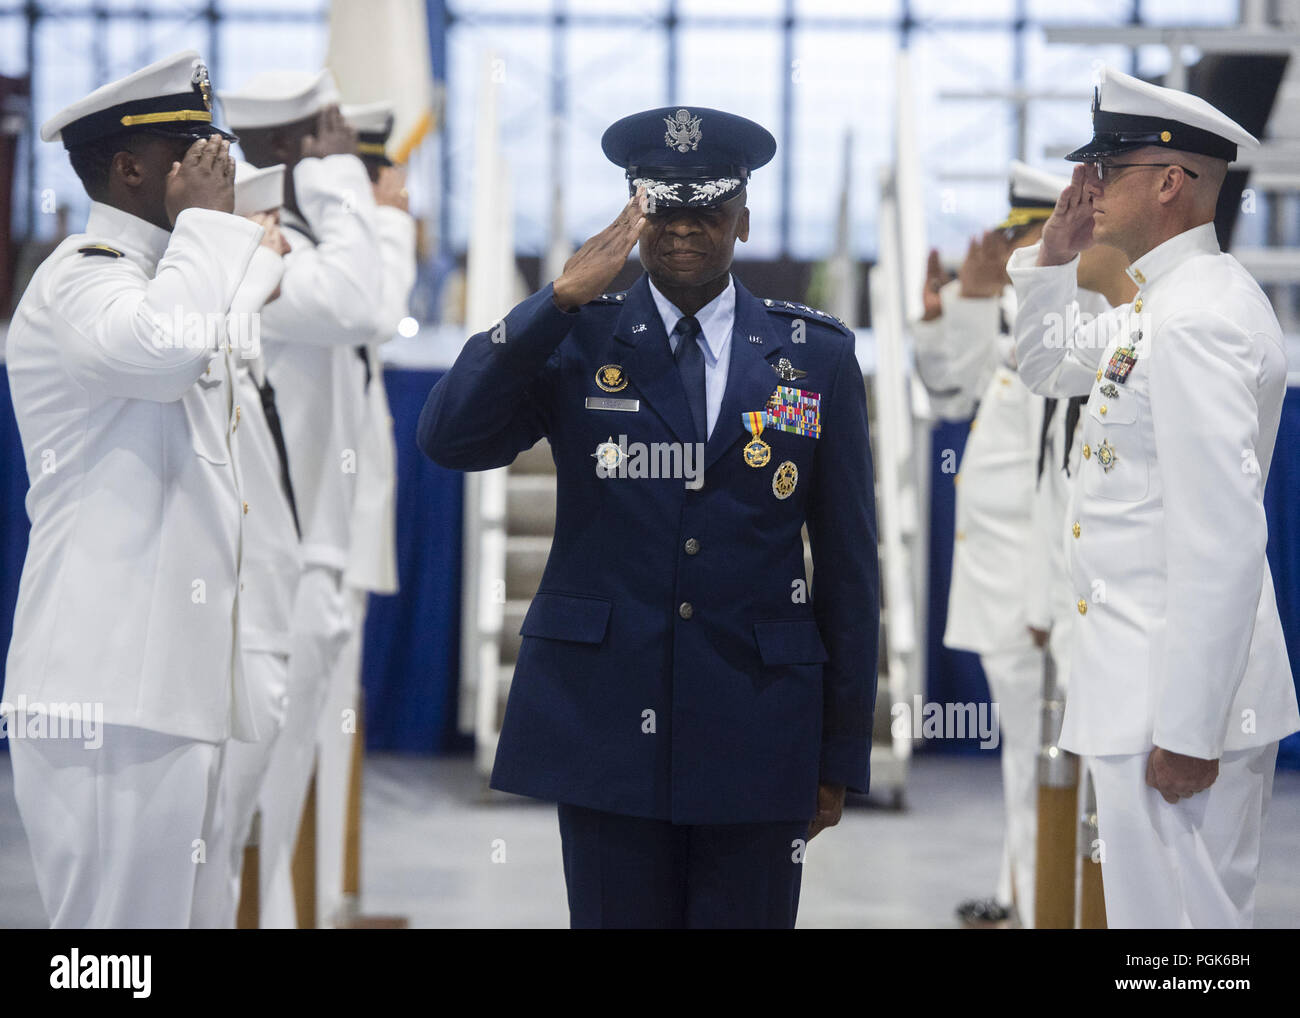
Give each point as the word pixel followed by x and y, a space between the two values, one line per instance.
pixel 1111 169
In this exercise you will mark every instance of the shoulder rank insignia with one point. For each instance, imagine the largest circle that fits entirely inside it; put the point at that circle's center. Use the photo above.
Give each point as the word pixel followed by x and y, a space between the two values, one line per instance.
pixel 610 298
pixel 789 307
pixel 611 378
pixel 100 249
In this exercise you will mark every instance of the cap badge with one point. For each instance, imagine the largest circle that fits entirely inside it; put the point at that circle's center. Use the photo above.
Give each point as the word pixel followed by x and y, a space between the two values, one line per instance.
pixel 683 132
pixel 202 83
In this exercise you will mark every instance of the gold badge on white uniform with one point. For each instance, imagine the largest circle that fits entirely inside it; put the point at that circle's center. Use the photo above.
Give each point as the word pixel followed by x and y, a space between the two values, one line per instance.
pixel 785 479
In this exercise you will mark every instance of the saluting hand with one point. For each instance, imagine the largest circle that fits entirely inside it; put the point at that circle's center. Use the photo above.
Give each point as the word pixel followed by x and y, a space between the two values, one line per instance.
pixel 935 277
pixel 274 237
pixel 390 188
pixel 203 179
pixel 830 806
pixel 1176 776
pixel 594 265
pixel 334 136
pixel 1069 230
pixel 984 272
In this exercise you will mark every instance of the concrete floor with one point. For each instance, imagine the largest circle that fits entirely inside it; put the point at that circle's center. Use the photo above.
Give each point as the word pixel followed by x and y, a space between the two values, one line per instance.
pixel 431 834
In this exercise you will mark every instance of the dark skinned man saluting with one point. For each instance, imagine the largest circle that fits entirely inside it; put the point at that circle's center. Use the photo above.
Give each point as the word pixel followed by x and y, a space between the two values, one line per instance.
pixel 694 709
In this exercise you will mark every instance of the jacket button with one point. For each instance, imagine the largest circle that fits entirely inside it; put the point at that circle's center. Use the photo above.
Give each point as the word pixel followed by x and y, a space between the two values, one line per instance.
pixel 692 546
pixel 685 610
pixel 1082 606
pixel 1102 408
pixel 245 508
pixel 239 411
pixel 1087 452
pixel 1099 374
pixel 961 535
pixel 1075 529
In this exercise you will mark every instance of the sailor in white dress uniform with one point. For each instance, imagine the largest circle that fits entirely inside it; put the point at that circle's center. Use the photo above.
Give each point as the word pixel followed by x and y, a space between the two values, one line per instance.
pixel 1180 684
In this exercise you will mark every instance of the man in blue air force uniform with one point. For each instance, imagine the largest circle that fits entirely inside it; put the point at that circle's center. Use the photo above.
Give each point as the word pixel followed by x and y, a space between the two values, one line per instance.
pixel 696 712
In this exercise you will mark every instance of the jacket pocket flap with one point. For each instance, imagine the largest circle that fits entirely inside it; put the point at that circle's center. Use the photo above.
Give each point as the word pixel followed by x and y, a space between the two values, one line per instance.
pixel 789 642
pixel 573 617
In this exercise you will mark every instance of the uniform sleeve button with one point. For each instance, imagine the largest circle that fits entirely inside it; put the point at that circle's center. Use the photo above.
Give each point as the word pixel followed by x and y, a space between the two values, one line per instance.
pixel 685 609
pixel 692 546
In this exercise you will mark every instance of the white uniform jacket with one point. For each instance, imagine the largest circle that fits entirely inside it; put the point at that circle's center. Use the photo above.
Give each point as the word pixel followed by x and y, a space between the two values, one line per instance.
pixel 129 593
pixel 1178 643
pixel 329 304
pixel 272 560
pixel 964 359
pixel 372 555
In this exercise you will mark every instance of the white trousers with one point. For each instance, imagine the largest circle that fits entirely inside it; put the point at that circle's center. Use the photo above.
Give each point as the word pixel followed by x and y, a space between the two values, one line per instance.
pixel 338 730
pixel 321 627
pixel 243 772
pixel 1192 864
pixel 118 833
pixel 1015 681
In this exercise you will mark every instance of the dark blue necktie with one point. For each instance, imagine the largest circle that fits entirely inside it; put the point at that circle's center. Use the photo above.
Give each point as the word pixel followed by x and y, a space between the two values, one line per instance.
pixel 690 365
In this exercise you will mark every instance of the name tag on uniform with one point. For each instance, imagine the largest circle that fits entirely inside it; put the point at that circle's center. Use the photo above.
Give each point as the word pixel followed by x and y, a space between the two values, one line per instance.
pixel 608 403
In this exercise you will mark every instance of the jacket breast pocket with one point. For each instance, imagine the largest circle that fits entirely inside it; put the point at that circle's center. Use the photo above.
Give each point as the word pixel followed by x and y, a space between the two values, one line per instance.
pixel 1116 467
pixel 205 416
pixel 789 642
pixel 576 618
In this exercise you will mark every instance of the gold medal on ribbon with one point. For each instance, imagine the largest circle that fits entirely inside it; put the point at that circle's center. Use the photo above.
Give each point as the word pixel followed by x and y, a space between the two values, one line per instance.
pixel 757 452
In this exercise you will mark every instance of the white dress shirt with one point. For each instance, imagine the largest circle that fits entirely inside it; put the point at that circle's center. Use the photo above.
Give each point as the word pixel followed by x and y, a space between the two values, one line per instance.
pixel 716 318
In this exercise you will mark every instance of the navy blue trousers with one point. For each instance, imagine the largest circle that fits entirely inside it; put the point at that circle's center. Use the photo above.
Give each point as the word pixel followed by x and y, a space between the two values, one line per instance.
pixel 632 873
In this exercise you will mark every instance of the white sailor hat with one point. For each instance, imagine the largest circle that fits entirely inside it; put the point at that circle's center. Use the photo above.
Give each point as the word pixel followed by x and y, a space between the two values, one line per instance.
pixel 172 96
pixel 273 98
pixel 1033 195
pixel 1128 113
pixel 687 155
pixel 258 190
pixel 373 123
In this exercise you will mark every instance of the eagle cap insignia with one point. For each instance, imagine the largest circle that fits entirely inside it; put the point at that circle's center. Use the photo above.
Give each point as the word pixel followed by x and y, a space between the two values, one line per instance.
pixel 683 132
pixel 202 83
